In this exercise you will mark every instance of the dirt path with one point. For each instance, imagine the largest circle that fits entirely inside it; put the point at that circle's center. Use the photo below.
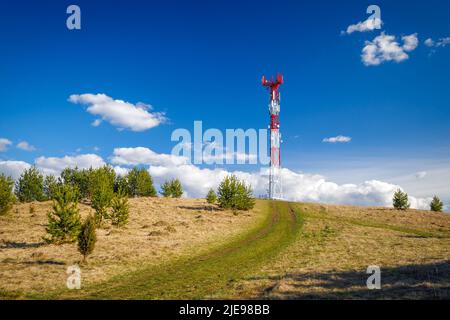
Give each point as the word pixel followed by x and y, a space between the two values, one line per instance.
pixel 211 274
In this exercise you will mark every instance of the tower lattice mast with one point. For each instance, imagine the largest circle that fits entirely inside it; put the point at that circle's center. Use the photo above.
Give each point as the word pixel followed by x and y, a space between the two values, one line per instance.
pixel 275 187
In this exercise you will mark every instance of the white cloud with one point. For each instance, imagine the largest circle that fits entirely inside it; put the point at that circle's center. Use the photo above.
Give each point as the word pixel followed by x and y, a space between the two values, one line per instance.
pixel 96 122
pixel 410 42
pixel 429 42
pixel 4 143
pixel 442 42
pixel 13 168
pixel 53 165
pixel 368 25
pixel 119 113
pixel 23 145
pixel 385 48
pixel 120 171
pixel 339 138
pixel 145 156
pixel 296 186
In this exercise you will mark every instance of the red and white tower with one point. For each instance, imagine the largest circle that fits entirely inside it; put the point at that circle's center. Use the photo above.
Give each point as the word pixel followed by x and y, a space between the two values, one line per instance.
pixel 275 188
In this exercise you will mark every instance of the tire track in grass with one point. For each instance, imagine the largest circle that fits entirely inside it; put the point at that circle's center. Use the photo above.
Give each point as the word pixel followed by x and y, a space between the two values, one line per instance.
pixel 209 275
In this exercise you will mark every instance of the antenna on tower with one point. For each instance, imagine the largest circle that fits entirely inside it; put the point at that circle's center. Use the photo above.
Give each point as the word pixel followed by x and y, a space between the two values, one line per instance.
pixel 275 186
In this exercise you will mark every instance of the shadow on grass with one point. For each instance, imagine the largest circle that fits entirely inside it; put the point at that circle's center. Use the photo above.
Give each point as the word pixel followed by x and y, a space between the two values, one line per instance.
pixel 21 245
pixel 425 281
pixel 39 262
pixel 201 207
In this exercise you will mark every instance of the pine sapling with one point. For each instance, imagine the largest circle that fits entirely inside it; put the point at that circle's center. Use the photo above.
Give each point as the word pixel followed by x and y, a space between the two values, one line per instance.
pixel 87 237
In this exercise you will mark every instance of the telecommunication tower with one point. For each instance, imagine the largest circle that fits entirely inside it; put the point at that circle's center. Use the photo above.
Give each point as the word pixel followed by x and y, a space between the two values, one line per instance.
pixel 275 187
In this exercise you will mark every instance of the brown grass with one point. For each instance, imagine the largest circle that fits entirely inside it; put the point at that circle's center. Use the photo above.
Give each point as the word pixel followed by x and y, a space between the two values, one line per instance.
pixel 158 230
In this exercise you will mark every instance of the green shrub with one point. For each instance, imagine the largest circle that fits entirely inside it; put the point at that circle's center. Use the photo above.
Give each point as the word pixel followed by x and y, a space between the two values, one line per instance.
pixel 119 209
pixel 64 220
pixel 172 188
pixel 235 194
pixel 30 186
pixel 400 200
pixel 436 204
pixel 140 183
pixel 87 237
pixel 50 185
pixel 7 198
pixel 211 197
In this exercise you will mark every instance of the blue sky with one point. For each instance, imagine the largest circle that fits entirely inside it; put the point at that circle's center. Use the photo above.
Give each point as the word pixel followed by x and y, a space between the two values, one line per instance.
pixel 203 60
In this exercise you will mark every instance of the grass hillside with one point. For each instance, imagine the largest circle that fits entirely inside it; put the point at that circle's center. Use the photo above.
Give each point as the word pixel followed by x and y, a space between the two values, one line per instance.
pixel 187 249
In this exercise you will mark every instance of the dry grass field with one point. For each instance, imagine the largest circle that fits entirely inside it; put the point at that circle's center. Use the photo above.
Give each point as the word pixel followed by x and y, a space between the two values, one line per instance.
pixel 337 244
pixel 158 231
pixel 184 248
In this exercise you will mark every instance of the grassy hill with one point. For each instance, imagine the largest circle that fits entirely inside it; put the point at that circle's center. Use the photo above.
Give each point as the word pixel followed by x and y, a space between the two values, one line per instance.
pixel 187 249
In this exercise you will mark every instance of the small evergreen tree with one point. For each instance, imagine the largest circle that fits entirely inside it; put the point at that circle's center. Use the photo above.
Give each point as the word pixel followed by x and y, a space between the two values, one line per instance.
pixel 211 197
pixel 235 194
pixel 140 183
pixel 244 197
pixel 400 200
pixel 436 204
pixel 104 176
pixel 6 194
pixel 166 189
pixel 103 193
pixel 30 185
pixel 78 180
pixel 121 185
pixel 87 237
pixel 64 220
pixel 176 188
pixel 50 185
pixel 172 188
pixel 119 209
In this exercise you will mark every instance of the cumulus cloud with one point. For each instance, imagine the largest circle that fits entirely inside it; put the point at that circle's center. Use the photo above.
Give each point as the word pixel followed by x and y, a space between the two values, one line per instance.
pixel 340 139
pixel 4 143
pixel 54 165
pixel 385 48
pixel 364 26
pixel 13 168
pixel 296 186
pixel 23 145
pixel 122 114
